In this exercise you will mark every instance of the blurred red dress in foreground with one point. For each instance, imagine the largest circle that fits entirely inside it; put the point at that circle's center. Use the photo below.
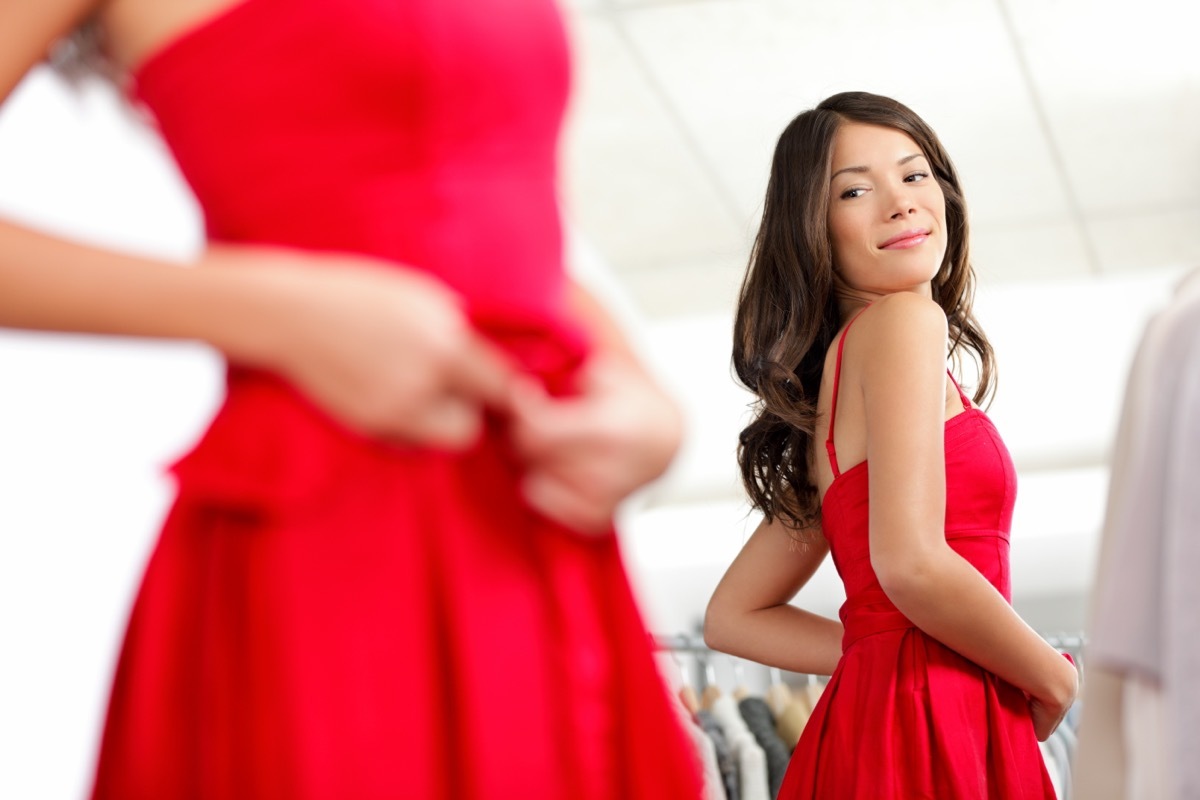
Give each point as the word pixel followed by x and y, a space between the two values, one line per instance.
pixel 326 616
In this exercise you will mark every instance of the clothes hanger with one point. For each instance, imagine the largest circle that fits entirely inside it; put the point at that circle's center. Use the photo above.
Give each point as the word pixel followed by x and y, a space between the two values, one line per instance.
pixel 712 692
pixel 687 692
pixel 779 694
pixel 740 692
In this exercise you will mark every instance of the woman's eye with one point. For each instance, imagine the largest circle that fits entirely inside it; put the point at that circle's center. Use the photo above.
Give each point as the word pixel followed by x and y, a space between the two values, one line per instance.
pixel 850 194
pixel 916 176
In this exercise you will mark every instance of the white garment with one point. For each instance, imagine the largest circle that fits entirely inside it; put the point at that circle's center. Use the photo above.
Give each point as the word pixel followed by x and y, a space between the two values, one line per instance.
pixel 1058 747
pixel 714 786
pixel 1144 626
pixel 1144 729
pixel 752 761
pixel 1053 769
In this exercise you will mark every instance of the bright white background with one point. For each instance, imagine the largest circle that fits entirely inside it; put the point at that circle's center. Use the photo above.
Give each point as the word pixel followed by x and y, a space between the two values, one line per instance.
pixel 1076 127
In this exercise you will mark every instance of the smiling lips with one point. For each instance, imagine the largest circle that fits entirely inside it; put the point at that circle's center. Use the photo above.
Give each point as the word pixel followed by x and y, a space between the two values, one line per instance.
pixel 903 241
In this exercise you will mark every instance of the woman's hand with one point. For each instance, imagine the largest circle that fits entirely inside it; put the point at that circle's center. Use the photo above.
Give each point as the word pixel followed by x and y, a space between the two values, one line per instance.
pixel 588 452
pixel 1048 713
pixel 385 350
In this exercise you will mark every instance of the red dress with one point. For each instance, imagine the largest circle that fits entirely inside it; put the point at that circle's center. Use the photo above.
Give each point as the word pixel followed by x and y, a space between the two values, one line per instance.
pixel 905 717
pixel 325 616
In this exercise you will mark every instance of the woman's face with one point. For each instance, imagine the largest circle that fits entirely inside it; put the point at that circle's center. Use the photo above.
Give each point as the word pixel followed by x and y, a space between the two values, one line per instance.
pixel 887 213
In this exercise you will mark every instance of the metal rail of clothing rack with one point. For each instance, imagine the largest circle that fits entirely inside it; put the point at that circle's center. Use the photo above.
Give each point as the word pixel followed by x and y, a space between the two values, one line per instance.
pixel 693 643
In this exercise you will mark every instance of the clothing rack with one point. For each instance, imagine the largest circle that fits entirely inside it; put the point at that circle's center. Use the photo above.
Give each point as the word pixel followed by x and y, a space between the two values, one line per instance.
pixel 1073 643
pixel 681 643
pixel 1057 751
pixel 694 642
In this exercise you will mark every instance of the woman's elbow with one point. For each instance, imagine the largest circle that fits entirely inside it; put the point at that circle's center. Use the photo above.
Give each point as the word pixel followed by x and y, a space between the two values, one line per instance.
pixel 718 623
pixel 906 580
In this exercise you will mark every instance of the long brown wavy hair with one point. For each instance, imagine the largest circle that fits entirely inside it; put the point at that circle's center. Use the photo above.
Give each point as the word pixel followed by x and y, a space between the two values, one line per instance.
pixel 787 312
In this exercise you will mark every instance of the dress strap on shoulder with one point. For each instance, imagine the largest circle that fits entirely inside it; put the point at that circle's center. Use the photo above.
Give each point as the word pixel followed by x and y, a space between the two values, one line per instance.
pixel 837 377
pixel 966 403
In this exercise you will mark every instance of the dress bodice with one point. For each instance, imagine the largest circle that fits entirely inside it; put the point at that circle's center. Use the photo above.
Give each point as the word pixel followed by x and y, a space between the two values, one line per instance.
pixel 422 132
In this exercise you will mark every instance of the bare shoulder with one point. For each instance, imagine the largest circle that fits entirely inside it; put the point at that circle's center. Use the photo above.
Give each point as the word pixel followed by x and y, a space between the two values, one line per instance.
pixel 896 313
pixel 900 324
pixel 898 348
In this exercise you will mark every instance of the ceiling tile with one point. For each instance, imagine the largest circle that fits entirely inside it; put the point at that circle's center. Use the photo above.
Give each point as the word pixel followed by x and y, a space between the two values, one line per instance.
pixel 632 186
pixel 1121 91
pixel 682 289
pixel 1130 242
pixel 1029 251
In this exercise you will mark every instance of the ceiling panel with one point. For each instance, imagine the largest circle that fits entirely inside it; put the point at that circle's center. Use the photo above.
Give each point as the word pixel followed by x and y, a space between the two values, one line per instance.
pixel 696 287
pixel 1120 85
pixel 1029 251
pixel 632 185
pixel 1137 241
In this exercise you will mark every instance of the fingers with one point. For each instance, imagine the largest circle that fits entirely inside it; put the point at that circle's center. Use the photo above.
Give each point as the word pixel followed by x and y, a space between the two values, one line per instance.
pixel 1045 720
pixel 571 465
pixel 552 429
pixel 477 376
pixel 566 504
pixel 452 423
pixel 481 371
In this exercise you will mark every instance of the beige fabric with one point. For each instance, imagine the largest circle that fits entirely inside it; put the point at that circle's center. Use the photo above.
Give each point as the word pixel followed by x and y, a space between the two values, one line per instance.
pixel 778 697
pixel 790 723
pixel 1100 764
pixel 1149 771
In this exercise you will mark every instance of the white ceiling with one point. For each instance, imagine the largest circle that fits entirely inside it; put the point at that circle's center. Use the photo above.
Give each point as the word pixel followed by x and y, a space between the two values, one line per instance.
pixel 1075 125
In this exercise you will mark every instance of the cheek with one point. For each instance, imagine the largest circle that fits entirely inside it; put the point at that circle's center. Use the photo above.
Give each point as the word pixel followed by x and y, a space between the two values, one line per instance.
pixel 842 237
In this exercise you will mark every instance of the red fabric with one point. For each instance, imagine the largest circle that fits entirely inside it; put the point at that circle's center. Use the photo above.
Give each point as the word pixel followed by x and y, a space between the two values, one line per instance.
pixel 330 617
pixel 903 716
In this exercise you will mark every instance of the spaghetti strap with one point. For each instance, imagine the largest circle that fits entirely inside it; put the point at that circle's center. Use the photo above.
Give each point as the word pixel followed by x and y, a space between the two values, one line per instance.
pixel 966 403
pixel 837 376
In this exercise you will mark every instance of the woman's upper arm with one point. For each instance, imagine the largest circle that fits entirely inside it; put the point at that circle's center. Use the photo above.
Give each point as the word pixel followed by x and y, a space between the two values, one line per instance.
pixel 903 378
pixel 28 28
pixel 770 569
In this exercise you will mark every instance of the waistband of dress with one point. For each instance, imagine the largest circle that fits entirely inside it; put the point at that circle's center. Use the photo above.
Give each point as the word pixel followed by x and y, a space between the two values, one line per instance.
pixel 868 613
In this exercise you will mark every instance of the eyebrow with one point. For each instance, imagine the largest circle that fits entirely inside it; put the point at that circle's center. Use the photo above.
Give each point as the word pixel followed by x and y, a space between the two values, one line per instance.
pixel 901 162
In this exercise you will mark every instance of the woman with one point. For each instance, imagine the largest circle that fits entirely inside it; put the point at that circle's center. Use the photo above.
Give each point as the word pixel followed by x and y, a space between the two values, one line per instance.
pixel 858 283
pixel 389 570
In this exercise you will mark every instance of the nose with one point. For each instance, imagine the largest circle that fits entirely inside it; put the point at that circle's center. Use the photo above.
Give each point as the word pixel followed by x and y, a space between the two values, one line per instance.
pixel 900 203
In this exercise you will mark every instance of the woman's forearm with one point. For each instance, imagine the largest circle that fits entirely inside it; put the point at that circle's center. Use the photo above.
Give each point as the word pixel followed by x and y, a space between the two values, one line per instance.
pixel 946 597
pixel 48 283
pixel 779 636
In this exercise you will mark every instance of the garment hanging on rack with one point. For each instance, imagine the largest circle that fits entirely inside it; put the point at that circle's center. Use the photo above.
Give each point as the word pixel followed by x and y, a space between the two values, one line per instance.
pixel 752 761
pixel 705 748
pixel 1140 728
pixel 758 718
pixel 719 768
pixel 790 721
pixel 778 695
pixel 726 761
pixel 788 709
